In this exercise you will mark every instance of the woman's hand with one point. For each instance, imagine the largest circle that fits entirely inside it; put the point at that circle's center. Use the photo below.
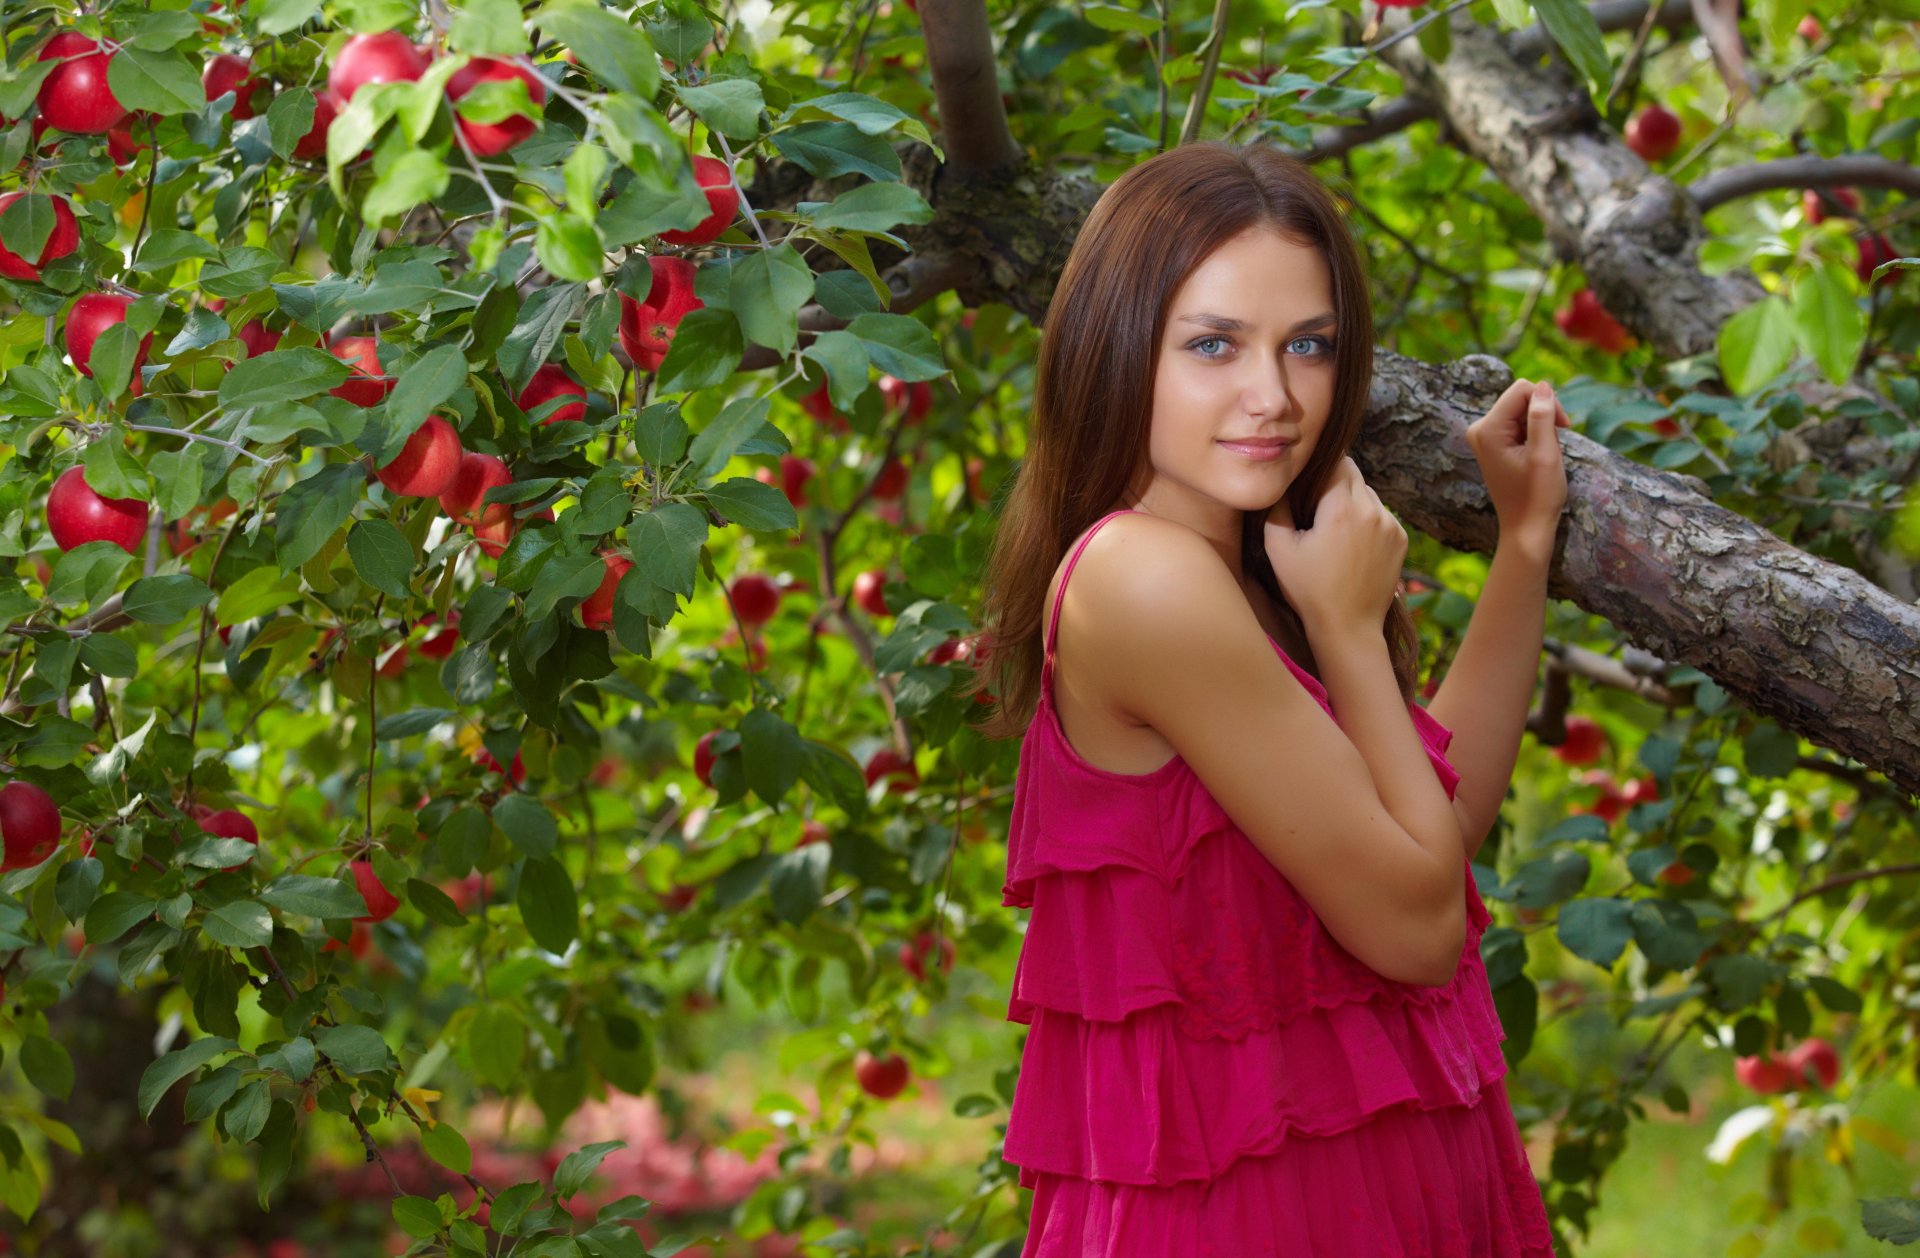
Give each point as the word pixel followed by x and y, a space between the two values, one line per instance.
pixel 1339 575
pixel 1517 444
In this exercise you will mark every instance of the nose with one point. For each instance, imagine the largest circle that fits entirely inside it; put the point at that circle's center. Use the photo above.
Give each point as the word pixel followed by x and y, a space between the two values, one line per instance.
pixel 1268 391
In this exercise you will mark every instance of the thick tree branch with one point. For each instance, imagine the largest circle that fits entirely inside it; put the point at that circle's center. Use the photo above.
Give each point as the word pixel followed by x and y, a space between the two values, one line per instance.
pixel 966 86
pixel 1814 645
pixel 1716 189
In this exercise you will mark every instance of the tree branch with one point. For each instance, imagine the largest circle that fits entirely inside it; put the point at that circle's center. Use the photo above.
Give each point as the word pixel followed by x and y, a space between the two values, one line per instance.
pixel 1714 190
pixel 966 86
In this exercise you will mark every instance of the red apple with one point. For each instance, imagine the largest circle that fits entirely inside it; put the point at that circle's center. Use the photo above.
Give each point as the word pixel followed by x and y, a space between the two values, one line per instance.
pixel 647 328
pixel 548 383
pixel 92 314
pixel 469 891
pixel 680 897
pixel 387 57
pixel 442 643
pixel 1611 802
pixel 361 940
pixel 1678 874
pixel 912 400
pixel 703 758
pixel 366 386
pixel 960 649
pixel 475 475
pixel 1814 206
pixel 1653 133
pixel 29 825
pixel 755 599
pixel 381 903
pixel 228 73
pixel 756 649
pixel 868 592
pixel 913 956
pixel 61 241
pixel 493 536
pixel 425 466
pixel 974 489
pixel 880 1077
pixel 228 823
pixel 1809 29
pixel 1640 791
pixel 1874 250
pixel 813 832
pixel 1764 1075
pixel 486 760
pixel 258 338
pixel 724 199
pixel 123 144
pixel 75 96
pixel 77 515
pixel 326 107
pixel 795 472
pixel 1583 742
pixel 488 139
pixel 897 769
pixel 392 661
pixel 596 610
pixel 1585 319
pixel 819 405
pixel 891 482
pixel 1667 426
pixel 1819 1057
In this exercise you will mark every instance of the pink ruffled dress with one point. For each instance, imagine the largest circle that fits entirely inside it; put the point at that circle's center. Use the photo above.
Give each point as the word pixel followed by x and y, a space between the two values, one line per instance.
pixel 1207 1072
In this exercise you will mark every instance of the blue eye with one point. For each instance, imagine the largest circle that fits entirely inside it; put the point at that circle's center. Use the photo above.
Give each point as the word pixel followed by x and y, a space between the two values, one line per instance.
pixel 1325 346
pixel 1203 340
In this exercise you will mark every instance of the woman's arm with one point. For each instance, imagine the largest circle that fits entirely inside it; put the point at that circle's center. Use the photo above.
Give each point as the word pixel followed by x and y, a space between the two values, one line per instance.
pixel 1486 693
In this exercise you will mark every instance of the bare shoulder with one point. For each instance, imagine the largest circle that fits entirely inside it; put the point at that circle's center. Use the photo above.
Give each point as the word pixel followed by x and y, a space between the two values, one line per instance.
pixel 1145 595
pixel 1140 565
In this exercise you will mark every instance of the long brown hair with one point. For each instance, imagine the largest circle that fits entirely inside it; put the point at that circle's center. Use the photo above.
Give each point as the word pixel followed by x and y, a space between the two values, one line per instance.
pixel 1093 390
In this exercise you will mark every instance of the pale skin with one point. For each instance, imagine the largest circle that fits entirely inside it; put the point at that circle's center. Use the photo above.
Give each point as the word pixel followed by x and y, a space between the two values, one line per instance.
pixel 1152 630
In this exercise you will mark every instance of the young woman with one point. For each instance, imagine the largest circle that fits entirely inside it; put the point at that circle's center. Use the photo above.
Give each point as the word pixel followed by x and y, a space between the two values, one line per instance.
pixel 1259 1022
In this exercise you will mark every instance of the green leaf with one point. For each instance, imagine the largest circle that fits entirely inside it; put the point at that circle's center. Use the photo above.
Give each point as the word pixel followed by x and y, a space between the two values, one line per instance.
pixel 163 82
pixel 641 210
pixel 1598 930
pixel 799 879
pixel 382 556
pixel 428 383
pixel 177 1065
pixel 497 1041
pixel 528 824
pixel 772 751
pixel 277 17
pixel 548 905
pixel 356 1050
pixel 738 421
pixel 47 1066
pixel 542 321
pixel 488 28
pixel 1756 344
pixel 618 55
pixel 1109 17
pixel 564 577
pixel 169 246
pixel 448 1147
pixel 1827 320
pixel 114 914
pixel 313 897
pixel 705 350
pixel 766 291
pixel 753 504
pixel 240 924
pixel 417 1217
pixel 827 149
pixel 569 247
pixel 413 178
pixel 873 207
pixel 289 118
pixel 312 510
pixel 730 106
pixel 844 355
pixel 1573 27
pixel 283 375
pixel 899 345
pixel 255 594
pixel 869 114
pixel 26 224
pixel 164 600
pixel 577 1168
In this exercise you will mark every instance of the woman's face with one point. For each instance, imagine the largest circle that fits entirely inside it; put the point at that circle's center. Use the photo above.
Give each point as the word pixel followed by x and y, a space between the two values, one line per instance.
pixel 1247 354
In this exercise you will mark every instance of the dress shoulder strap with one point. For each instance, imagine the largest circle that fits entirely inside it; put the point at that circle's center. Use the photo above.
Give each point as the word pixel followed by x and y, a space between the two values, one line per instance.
pixel 1053 626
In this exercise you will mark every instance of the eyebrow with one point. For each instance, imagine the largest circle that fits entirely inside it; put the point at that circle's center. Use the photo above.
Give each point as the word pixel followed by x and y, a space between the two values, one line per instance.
pixel 1220 323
